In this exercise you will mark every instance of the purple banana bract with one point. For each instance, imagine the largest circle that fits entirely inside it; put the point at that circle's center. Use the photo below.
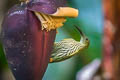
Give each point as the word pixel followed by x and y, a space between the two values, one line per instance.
pixel 26 45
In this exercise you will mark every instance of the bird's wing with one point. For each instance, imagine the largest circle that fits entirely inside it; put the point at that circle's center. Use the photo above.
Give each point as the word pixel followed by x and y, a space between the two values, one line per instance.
pixel 62 49
pixel 61 46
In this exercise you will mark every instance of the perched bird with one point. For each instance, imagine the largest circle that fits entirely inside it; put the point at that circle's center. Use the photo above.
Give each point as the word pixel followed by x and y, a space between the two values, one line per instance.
pixel 67 48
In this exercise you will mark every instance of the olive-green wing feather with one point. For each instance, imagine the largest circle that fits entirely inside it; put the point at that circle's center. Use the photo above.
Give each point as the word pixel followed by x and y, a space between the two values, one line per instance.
pixel 64 49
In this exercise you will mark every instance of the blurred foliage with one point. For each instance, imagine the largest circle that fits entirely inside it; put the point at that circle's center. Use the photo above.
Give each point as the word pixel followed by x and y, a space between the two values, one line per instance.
pixel 90 20
pixel 3 62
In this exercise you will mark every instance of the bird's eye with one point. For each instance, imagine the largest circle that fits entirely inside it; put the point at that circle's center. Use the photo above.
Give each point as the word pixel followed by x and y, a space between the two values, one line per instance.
pixel 86 39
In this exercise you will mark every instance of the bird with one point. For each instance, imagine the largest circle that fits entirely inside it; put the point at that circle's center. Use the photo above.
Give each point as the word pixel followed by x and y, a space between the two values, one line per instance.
pixel 69 47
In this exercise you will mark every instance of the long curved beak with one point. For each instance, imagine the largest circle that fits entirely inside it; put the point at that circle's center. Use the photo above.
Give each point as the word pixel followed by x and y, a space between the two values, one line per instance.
pixel 81 33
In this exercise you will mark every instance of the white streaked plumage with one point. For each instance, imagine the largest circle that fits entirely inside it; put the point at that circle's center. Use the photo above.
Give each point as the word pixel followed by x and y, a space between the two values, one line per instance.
pixel 67 48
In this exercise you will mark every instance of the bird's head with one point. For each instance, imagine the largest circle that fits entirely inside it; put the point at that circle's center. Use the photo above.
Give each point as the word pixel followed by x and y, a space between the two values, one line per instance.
pixel 84 40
